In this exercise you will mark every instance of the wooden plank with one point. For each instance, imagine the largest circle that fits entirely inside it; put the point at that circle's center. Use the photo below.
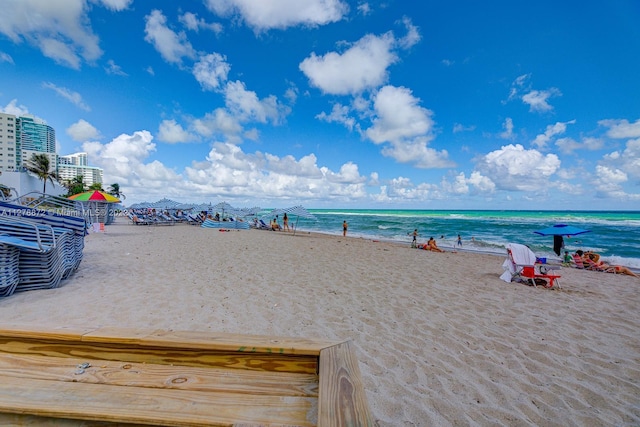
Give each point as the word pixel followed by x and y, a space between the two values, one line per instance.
pixel 158 376
pixel 159 407
pixel 211 341
pixel 185 378
pixel 180 339
pixel 170 356
pixel 59 333
pixel 26 420
pixel 342 400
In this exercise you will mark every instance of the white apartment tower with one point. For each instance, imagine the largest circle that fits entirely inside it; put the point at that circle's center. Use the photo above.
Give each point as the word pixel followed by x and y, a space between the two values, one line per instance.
pixel 23 136
pixel 73 165
pixel 9 156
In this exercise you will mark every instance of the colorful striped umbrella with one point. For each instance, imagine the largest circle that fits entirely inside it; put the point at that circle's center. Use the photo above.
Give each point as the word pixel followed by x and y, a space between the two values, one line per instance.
pixel 94 196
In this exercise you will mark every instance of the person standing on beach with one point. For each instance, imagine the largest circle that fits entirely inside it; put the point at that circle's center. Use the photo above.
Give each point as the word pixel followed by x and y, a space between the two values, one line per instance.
pixel 414 243
pixel 285 222
pixel 459 241
pixel 344 228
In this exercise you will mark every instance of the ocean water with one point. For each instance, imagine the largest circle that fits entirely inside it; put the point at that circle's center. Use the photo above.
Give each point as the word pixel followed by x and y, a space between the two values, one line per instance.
pixel 615 235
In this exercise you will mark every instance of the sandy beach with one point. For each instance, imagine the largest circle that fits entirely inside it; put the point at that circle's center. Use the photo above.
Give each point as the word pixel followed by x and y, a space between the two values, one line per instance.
pixel 440 338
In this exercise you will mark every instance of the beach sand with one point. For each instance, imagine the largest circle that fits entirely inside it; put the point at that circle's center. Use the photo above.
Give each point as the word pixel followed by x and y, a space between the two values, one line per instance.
pixel 441 340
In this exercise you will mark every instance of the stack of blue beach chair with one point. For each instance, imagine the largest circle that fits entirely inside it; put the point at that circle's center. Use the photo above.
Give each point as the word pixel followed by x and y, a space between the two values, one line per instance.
pixel 38 248
pixel 9 270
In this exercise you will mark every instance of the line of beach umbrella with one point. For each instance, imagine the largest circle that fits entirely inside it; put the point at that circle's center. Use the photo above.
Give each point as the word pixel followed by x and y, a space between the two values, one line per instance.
pixel 224 209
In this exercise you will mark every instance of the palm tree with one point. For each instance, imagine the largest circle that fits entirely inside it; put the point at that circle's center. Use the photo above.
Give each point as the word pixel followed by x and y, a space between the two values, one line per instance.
pixel 96 186
pixel 5 192
pixel 75 185
pixel 39 164
pixel 114 190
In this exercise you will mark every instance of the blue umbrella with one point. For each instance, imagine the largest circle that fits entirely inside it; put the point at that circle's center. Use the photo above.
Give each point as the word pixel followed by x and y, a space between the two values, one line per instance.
pixel 559 230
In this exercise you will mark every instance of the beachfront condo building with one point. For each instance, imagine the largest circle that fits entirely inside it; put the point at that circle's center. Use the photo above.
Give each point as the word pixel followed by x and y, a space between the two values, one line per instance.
pixel 23 136
pixel 8 154
pixel 73 165
pixel 35 136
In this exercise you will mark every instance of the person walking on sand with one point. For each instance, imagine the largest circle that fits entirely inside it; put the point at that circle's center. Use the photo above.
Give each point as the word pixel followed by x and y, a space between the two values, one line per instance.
pixel 344 228
pixel 414 243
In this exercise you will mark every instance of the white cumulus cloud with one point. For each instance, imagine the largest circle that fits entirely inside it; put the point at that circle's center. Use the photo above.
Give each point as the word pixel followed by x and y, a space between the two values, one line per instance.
pixel 82 131
pixel 361 67
pixel 538 100
pixel 399 120
pixel 13 108
pixel 59 28
pixel 542 140
pixel 281 14
pixel 620 129
pixel 172 46
pixel 211 71
pixel 513 167
pixel 172 132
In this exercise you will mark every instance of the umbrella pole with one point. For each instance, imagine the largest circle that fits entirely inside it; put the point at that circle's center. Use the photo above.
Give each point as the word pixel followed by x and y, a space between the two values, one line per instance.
pixel 295 229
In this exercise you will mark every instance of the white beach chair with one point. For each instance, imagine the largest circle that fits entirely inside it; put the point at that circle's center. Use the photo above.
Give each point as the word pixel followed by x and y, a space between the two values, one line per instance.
pixel 521 264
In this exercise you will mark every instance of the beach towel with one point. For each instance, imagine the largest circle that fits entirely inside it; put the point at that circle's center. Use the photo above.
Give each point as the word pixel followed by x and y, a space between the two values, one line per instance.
pixel 520 255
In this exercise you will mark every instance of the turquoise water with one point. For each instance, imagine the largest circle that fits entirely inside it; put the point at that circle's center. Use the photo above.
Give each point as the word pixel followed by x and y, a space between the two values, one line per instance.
pixel 615 235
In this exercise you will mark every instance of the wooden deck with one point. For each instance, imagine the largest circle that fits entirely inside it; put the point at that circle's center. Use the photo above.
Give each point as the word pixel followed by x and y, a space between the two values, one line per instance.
pixel 108 376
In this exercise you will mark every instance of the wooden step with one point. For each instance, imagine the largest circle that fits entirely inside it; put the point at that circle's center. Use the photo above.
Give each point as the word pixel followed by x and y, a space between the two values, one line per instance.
pixel 177 378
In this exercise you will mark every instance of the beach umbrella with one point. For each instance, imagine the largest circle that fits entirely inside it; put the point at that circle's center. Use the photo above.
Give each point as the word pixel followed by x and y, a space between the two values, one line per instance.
pixel 250 211
pixel 298 211
pixel 201 207
pixel 559 230
pixel 99 201
pixel 94 196
pixel 165 204
pixel 224 207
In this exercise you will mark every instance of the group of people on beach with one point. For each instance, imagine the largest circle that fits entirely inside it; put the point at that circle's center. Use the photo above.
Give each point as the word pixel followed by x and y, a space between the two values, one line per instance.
pixel 275 225
pixel 431 244
pixel 591 261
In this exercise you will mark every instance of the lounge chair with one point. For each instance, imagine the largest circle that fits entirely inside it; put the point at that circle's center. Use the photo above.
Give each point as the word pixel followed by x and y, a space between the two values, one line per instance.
pixel 264 226
pixel 521 264
pixel 577 260
pixel 49 247
pixel 592 265
pixel 193 219
pixel 9 267
pixel 588 264
pixel 135 219
pixel 46 255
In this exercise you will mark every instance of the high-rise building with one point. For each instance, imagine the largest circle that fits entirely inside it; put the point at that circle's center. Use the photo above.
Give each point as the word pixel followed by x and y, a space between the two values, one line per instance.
pixel 9 156
pixel 73 165
pixel 23 136
pixel 34 136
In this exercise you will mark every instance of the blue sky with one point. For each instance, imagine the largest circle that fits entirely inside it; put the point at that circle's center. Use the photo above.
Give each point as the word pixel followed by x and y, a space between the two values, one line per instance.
pixel 330 103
